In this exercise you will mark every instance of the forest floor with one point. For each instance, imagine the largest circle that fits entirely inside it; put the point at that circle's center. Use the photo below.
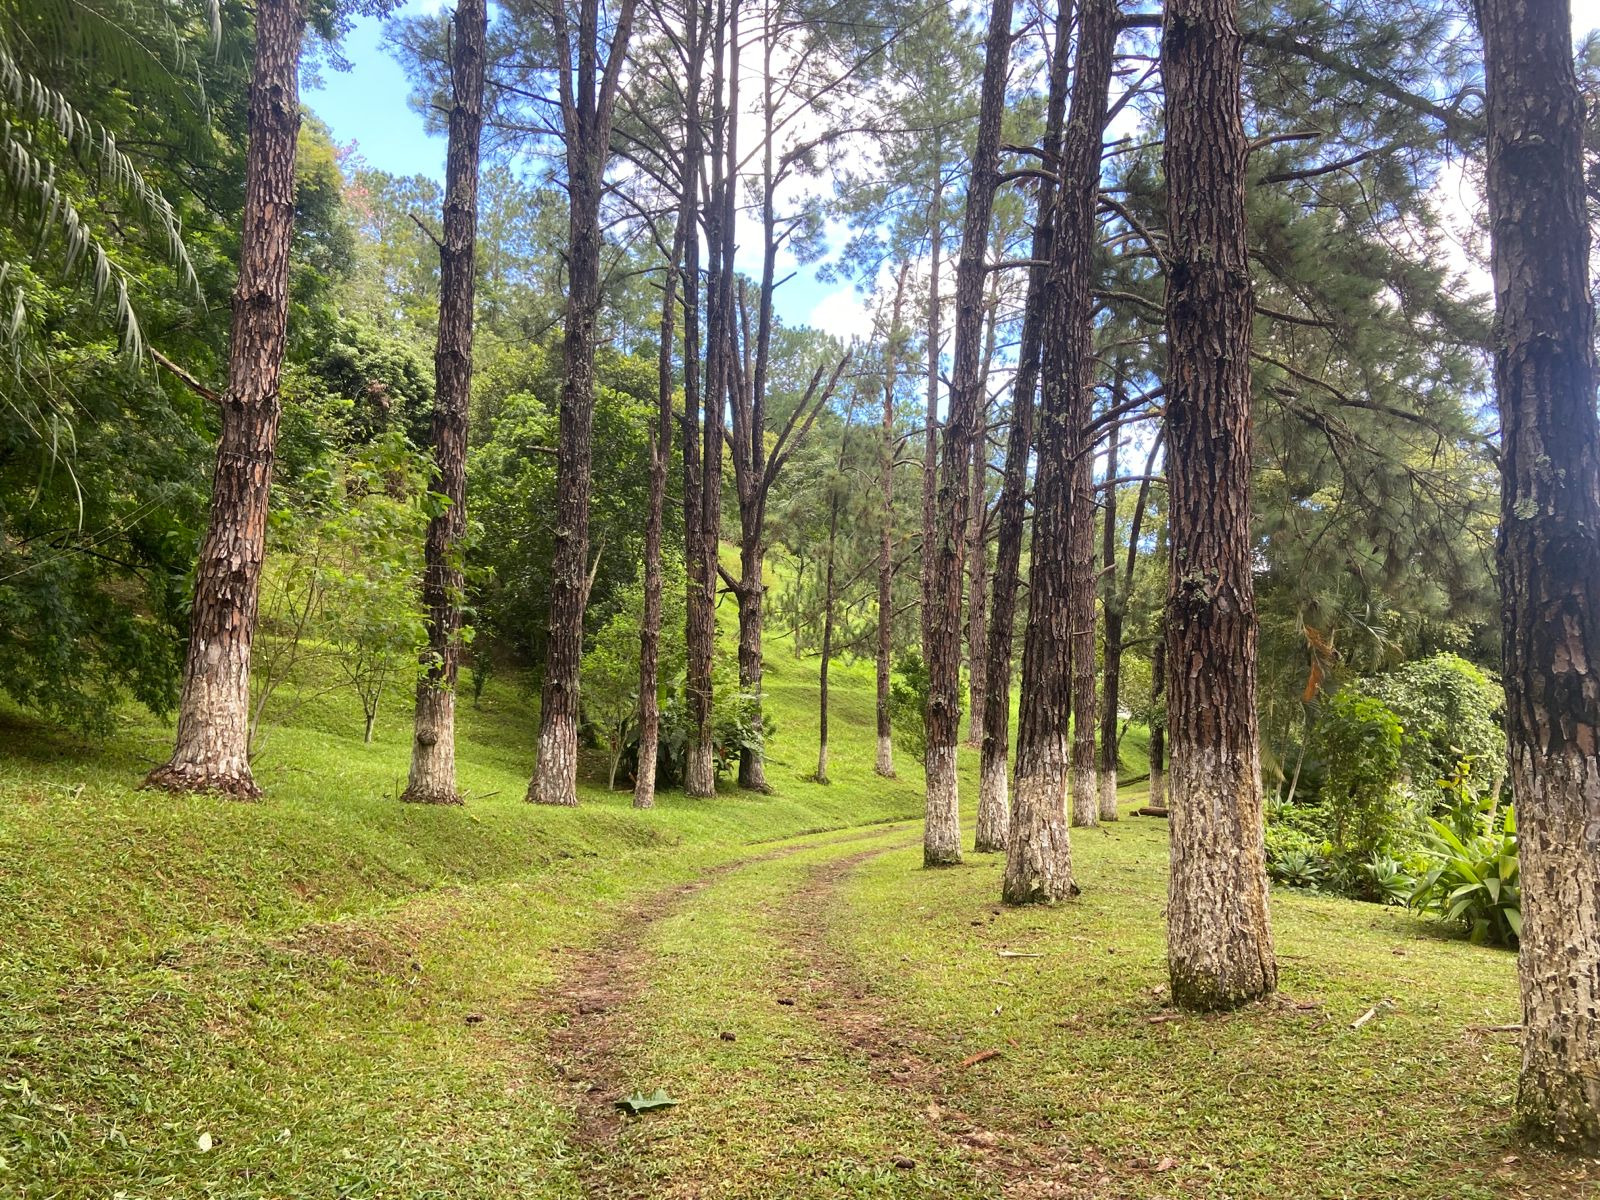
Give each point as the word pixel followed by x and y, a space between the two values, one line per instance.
pixel 329 994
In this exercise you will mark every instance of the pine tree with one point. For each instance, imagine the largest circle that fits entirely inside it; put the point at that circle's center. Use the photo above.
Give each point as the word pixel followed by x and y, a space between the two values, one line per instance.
pixel 1549 549
pixel 212 751
pixel 588 92
pixel 433 758
pixel 1219 945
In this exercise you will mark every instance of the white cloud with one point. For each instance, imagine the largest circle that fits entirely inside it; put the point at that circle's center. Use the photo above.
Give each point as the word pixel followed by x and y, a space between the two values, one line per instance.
pixel 842 314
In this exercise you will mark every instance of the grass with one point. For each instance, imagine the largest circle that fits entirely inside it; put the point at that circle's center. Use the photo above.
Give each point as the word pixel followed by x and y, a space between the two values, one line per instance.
pixel 332 994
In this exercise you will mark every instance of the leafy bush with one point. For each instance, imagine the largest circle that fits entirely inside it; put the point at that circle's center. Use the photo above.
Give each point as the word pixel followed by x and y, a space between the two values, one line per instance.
pixel 1450 711
pixel 1389 879
pixel 1474 880
pixel 1297 869
pixel 908 700
pixel 1360 742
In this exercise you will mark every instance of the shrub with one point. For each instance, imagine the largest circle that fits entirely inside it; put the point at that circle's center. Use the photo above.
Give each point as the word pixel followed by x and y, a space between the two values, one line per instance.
pixel 1298 869
pixel 908 700
pixel 1450 711
pixel 1474 880
pixel 1360 741
pixel 1389 879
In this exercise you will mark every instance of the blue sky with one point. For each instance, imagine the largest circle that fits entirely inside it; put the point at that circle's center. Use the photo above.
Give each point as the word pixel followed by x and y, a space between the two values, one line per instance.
pixel 368 105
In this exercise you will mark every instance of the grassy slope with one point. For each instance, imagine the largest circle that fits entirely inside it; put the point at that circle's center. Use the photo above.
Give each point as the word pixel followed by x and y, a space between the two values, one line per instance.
pixel 292 977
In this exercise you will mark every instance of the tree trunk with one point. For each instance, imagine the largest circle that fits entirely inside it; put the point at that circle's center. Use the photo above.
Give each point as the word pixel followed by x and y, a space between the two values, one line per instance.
pixel 885 760
pixel 1548 550
pixel 700 775
pixel 1219 943
pixel 942 558
pixel 978 532
pixel 556 780
pixel 1158 728
pixel 1112 604
pixel 1085 572
pixel 644 784
pixel 930 440
pixel 433 744
pixel 212 749
pixel 1011 511
pixel 1039 857
pixel 827 634
pixel 372 719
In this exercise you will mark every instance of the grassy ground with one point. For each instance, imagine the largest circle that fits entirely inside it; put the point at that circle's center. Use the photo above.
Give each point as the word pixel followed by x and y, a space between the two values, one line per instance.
pixel 331 994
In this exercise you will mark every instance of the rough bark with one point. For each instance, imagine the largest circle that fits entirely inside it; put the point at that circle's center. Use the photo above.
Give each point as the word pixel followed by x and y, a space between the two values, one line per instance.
pixel 1219 944
pixel 588 99
pixel 978 532
pixel 212 746
pixel 994 817
pixel 1039 856
pixel 1158 729
pixel 1111 623
pixel 1085 794
pixel 700 777
pixel 886 454
pixel 827 636
pixel 942 558
pixel 930 436
pixel 1549 548
pixel 433 759
pixel 644 784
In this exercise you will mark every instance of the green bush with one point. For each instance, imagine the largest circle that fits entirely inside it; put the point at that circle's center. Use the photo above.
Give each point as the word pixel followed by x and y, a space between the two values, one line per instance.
pixel 1298 869
pixel 908 700
pixel 1450 710
pixel 1474 880
pixel 1360 742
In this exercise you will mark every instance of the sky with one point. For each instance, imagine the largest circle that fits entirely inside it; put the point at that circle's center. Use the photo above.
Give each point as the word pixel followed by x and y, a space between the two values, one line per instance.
pixel 368 105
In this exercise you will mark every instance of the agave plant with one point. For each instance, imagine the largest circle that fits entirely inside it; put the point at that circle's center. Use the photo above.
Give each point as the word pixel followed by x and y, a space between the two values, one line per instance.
pixel 1297 869
pixel 1474 880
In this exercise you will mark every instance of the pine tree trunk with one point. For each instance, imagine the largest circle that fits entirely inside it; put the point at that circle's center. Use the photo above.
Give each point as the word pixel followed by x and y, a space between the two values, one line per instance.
pixel 1219 944
pixel 942 557
pixel 978 575
pixel 644 784
pixel 1084 791
pixel 1112 605
pixel 1548 551
pixel 827 637
pixel 586 114
pixel 1158 729
pixel 885 760
pixel 213 739
pixel 752 555
pixel 700 775
pixel 433 745
pixel 1039 856
pixel 556 780
pixel 994 817
pixel 930 442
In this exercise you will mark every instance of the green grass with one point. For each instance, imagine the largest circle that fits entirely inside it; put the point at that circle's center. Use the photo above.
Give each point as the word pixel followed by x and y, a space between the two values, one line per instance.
pixel 292 980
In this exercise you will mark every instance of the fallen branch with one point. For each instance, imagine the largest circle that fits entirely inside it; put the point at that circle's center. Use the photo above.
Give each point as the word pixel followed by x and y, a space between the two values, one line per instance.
pixel 1380 1006
pixel 973 1060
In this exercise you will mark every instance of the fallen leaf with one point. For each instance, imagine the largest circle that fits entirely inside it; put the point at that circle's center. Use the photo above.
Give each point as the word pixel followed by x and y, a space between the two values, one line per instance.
pixel 203 1142
pixel 1166 1164
pixel 638 1102
pixel 905 1164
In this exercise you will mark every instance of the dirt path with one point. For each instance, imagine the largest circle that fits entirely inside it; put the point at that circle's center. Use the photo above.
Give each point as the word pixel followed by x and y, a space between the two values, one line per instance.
pixel 586 1009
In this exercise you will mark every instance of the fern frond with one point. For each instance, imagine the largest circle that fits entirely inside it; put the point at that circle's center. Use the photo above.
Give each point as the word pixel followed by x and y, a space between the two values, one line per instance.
pixel 31 184
pixel 32 98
